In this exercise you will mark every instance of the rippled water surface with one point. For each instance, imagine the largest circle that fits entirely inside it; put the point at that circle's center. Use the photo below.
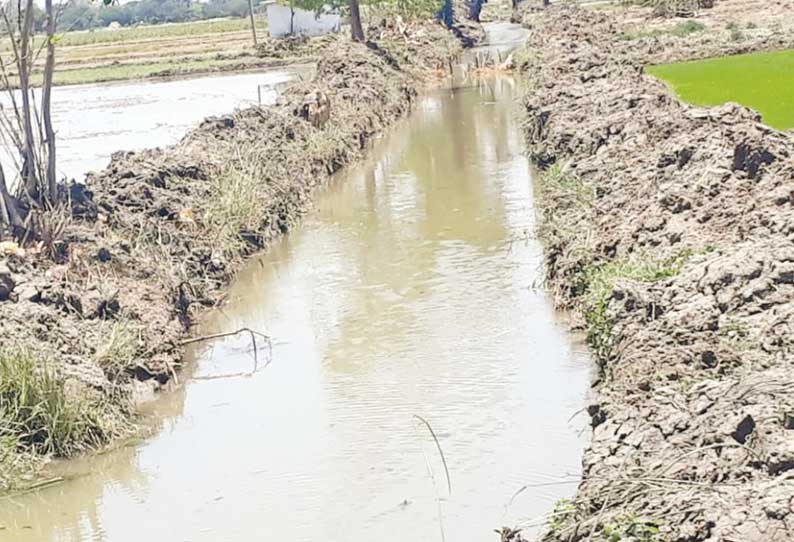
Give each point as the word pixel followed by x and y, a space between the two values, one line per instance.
pixel 93 121
pixel 409 290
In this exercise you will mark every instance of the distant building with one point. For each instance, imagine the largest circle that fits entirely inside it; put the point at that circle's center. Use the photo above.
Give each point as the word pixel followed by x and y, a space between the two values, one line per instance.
pixel 114 25
pixel 288 21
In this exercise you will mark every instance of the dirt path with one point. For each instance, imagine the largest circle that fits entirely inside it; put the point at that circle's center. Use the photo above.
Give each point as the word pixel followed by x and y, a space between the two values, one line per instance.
pixel 669 232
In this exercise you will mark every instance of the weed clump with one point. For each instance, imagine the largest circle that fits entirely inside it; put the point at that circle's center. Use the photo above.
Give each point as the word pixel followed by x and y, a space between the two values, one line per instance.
pixel 569 193
pixel 15 466
pixel 599 284
pixel 563 510
pixel 236 205
pixel 40 414
pixel 685 28
pixel 567 206
pixel 120 348
pixel 680 30
pixel 526 59
pixel 629 527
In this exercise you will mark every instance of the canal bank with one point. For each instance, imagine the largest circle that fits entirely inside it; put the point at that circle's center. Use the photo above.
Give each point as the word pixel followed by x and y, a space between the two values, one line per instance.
pixel 668 231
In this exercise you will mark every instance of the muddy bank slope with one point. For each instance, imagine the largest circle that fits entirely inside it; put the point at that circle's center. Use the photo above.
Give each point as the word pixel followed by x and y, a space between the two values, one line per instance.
pixel 155 237
pixel 670 233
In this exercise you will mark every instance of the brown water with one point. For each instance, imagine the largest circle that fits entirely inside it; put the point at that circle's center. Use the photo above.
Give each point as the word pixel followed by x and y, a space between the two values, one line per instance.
pixel 408 290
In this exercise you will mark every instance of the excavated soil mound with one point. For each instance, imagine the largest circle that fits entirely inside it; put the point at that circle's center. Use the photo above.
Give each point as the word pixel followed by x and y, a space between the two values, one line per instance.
pixel 670 232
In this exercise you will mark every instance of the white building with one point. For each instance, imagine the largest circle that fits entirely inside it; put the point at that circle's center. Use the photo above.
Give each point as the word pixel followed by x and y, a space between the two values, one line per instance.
pixel 287 21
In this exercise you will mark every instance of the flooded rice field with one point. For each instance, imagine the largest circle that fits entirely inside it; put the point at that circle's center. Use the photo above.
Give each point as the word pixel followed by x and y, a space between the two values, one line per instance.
pixel 94 121
pixel 760 80
pixel 411 290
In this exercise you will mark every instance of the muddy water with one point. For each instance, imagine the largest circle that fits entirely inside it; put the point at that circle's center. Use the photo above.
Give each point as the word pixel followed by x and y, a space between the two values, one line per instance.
pixel 93 121
pixel 409 290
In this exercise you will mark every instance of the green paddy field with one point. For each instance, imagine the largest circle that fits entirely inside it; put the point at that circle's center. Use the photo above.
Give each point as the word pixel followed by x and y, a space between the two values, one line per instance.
pixel 763 81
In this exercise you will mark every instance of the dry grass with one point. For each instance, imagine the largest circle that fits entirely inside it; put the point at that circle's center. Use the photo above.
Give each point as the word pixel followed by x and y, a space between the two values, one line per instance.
pixel 120 349
pixel 151 51
pixel 236 205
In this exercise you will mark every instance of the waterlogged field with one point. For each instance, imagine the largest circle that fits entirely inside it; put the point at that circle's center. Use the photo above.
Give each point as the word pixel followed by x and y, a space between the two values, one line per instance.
pixel 763 81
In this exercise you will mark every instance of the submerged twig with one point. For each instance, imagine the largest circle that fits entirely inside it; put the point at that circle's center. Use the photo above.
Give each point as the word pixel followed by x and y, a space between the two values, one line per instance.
pixel 251 332
pixel 440 451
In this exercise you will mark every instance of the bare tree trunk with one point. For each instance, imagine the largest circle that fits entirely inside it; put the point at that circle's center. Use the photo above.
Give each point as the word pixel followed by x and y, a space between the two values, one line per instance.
pixel 253 25
pixel 28 157
pixel 9 214
pixel 49 133
pixel 356 30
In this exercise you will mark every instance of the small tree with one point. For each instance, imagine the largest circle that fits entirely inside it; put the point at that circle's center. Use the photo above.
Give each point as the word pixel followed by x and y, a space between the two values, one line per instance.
pixel 356 30
pixel 24 127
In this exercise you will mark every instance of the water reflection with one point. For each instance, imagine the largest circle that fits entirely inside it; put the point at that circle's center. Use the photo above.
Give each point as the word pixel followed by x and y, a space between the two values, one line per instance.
pixel 407 291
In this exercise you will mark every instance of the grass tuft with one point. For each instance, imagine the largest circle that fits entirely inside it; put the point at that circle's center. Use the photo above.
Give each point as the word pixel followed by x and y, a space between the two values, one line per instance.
pixel 236 205
pixel 567 206
pixel 685 28
pixel 39 415
pixel 120 348
pixel 630 527
pixel 599 284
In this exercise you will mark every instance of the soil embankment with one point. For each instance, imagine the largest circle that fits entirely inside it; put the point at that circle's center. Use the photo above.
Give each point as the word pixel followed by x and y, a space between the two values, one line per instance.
pixel 670 232
pixel 106 303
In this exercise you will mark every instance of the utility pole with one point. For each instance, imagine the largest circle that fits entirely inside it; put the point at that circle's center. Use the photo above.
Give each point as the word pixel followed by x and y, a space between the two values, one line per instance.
pixel 253 25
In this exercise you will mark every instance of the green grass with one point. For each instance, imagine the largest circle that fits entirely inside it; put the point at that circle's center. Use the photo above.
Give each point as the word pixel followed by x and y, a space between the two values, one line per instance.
pixel 680 30
pixel 599 285
pixel 40 414
pixel 630 528
pixel 762 81
pixel 119 348
pixel 564 509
